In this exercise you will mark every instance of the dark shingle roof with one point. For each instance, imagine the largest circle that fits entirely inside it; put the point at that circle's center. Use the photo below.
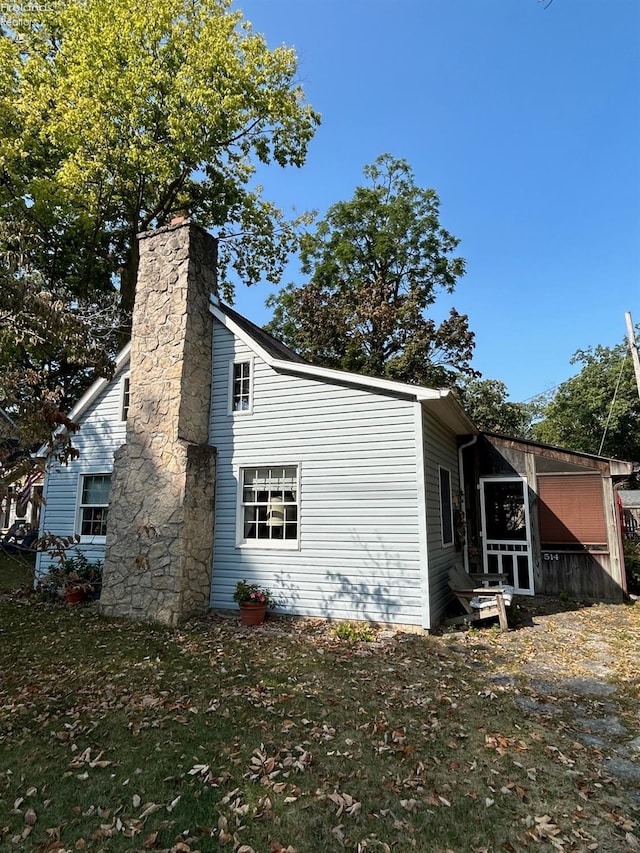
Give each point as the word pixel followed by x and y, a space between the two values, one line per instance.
pixel 272 345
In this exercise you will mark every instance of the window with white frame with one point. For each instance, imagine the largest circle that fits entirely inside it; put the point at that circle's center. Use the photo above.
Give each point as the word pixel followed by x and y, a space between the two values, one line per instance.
pixel 446 506
pixel 241 386
pixel 126 388
pixel 94 503
pixel 269 506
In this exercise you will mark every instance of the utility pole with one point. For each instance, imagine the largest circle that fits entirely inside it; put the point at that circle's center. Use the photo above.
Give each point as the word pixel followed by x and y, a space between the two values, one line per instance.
pixel 634 349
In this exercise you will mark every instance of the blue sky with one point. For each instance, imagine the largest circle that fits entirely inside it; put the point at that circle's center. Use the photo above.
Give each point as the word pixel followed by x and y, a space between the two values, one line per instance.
pixel 525 120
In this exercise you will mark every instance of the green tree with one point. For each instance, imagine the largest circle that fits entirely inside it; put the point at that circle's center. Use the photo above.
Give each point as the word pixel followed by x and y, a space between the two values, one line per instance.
pixel 51 345
pixel 485 401
pixel 600 402
pixel 113 114
pixel 376 264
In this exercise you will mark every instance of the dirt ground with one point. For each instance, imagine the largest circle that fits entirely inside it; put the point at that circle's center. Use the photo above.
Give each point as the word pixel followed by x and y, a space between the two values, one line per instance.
pixel 579 665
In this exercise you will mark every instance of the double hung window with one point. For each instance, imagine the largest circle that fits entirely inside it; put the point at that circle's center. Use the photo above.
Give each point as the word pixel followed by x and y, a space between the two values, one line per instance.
pixel 94 503
pixel 269 506
pixel 126 390
pixel 241 386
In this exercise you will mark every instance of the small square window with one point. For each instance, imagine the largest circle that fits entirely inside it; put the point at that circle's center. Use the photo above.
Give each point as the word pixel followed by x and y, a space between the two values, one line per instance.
pixel 94 504
pixel 241 387
pixel 269 506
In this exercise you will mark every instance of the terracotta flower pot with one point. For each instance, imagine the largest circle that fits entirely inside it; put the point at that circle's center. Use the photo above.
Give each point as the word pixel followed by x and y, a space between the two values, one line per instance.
pixel 74 595
pixel 252 613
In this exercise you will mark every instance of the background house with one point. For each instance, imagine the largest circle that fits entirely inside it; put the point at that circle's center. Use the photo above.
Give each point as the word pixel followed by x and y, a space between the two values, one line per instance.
pixel 20 485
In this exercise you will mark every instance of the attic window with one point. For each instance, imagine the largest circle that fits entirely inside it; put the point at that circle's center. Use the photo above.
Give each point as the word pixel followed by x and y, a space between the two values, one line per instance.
pixel 126 386
pixel 241 386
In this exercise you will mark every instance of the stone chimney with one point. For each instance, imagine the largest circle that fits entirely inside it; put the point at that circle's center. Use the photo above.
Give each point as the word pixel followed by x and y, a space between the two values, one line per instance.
pixel 159 547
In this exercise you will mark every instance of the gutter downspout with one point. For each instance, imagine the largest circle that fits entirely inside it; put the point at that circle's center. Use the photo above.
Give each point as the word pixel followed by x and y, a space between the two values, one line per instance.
pixel 463 502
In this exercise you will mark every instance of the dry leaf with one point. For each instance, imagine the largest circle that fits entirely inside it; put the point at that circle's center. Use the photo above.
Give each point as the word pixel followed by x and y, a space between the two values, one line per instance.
pixel 173 804
pixel 149 808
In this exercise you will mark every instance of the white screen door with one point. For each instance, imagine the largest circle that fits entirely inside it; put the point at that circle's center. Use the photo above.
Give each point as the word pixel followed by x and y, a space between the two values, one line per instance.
pixel 506 532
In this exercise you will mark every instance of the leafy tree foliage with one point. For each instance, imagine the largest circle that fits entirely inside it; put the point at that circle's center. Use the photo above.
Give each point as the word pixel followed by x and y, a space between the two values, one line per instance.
pixel 113 114
pixel 601 400
pixel 375 265
pixel 51 346
pixel 485 401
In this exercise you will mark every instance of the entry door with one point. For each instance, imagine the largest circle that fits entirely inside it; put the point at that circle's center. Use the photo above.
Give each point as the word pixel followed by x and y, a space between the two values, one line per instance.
pixel 506 532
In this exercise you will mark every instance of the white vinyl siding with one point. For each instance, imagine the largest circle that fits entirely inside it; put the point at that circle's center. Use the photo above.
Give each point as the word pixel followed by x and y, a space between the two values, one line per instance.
pixel 446 506
pixel 359 551
pixel 101 432
pixel 440 451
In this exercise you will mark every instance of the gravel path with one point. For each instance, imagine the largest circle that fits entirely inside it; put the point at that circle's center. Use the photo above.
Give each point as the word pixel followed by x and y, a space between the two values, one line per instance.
pixel 582 666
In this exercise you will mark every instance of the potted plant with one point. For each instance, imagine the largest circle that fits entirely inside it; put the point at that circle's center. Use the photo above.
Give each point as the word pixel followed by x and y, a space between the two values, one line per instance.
pixel 77 579
pixel 253 600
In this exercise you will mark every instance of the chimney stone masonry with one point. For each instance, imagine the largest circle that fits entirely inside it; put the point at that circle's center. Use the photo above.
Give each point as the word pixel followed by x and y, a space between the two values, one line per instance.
pixel 159 548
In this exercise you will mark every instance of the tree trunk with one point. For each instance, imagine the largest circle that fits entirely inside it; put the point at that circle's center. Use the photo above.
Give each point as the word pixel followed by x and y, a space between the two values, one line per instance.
pixel 128 278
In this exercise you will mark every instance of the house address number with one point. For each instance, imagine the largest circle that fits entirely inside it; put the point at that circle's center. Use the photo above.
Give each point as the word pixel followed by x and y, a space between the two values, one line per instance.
pixel 548 556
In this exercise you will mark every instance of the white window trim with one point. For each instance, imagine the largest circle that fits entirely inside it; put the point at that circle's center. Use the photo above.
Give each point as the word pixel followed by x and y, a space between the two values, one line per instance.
pixel 265 544
pixel 126 378
pixel 239 412
pixel 88 540
pixel 450 544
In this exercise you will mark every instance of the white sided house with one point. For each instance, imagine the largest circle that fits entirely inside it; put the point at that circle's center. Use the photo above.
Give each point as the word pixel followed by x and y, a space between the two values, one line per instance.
pixel 76 495
pixel 236 459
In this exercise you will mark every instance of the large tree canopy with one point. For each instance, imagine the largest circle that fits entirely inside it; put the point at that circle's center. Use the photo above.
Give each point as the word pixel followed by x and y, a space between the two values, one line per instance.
pixel 113 114
pixel 51 347
pixel 486 403
pixel 600 402
pixel 375 265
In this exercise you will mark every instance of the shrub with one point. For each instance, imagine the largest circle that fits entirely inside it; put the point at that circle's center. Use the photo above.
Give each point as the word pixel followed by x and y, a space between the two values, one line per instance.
pixel 354 632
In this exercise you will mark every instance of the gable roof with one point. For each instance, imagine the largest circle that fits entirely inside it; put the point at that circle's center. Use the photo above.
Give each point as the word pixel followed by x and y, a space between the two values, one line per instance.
pixel 99 385
pixel 441 402
pixel 94 391
pixel 275 348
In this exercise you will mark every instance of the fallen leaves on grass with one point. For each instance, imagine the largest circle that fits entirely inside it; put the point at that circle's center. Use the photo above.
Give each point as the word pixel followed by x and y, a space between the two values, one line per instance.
pixel 410 739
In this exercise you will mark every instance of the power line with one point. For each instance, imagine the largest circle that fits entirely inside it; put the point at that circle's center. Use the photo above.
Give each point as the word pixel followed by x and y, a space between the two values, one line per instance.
pixel 615 394
pixel 547 391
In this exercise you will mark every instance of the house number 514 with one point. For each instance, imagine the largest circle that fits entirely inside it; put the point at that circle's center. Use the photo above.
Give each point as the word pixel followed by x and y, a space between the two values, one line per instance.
pixel 548 556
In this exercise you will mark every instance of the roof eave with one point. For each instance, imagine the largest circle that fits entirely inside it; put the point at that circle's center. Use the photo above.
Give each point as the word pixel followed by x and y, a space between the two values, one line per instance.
pixel 91 394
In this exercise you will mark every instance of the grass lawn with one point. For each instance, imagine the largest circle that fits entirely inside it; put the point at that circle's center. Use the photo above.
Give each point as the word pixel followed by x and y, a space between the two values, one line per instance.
pixel 16 570
pixel 127 737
